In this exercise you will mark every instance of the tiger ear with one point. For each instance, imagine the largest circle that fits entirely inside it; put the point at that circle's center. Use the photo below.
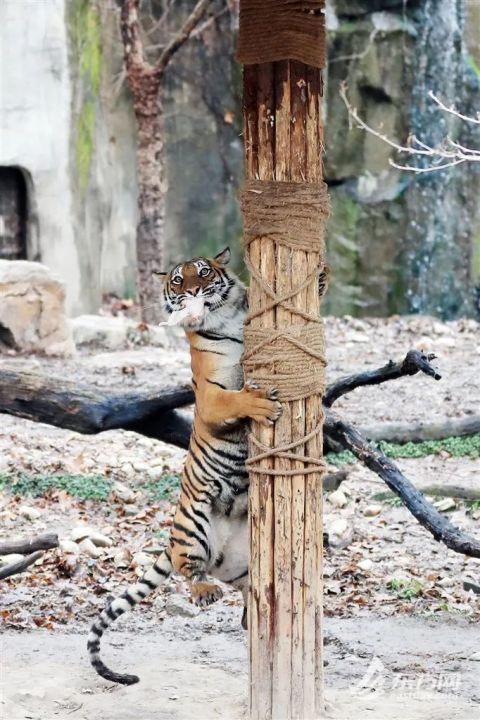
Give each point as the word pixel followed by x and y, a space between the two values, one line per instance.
pixel 159 274
pixel 223 258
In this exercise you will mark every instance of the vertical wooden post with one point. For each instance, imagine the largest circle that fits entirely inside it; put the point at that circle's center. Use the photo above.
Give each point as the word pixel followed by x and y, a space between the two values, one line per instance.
pixel 283 141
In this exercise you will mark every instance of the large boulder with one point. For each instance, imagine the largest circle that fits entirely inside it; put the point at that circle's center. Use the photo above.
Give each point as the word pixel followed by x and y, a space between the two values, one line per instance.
pixel 32 309
pixel 118 333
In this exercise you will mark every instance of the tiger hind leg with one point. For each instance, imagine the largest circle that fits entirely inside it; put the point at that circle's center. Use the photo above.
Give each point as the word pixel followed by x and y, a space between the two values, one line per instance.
pixel 205 593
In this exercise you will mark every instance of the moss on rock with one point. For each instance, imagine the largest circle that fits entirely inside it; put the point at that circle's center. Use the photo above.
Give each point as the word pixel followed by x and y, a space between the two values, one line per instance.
pixel 85 28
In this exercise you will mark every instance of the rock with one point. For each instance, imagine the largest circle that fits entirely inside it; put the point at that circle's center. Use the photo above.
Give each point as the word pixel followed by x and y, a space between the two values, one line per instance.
pixel 88 548
pixel 30 513
pixel 115 333
pixel 131 510
pixel 475 657
pixel 340 533
pixel 446 582
pixel 106 332
pixel 445 505
pixel 372 510
pixel 358 337
pixel 122 558
pixel 32 309
pixel 338 498
pixel 158 336
pixel 80 532
pixel 365 564
pixel 155 473
pixel 123 493
pixel 69 547
pixel 142 559
pixel 100 540
pixel 9 559
pixel 177 605
pixel 471 586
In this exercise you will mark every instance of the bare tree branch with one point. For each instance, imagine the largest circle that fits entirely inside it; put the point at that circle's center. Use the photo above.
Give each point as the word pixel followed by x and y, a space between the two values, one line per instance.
pixel 414 362
pixel 448 154
pixel 453 111
pixel 183 34
pixel 132 41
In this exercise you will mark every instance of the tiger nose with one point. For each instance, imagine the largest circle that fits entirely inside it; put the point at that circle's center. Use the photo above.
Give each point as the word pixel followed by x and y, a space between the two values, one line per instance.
pixel 195 290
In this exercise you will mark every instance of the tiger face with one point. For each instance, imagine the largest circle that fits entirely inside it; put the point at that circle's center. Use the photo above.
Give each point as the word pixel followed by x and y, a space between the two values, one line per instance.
pixel 196 288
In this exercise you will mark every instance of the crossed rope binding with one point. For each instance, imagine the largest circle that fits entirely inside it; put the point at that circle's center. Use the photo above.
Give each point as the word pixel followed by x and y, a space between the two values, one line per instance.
pixel 291 357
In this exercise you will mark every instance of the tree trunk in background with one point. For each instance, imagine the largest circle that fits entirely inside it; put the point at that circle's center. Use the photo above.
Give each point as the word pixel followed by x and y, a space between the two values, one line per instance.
pixel 151 197
pixel 145 81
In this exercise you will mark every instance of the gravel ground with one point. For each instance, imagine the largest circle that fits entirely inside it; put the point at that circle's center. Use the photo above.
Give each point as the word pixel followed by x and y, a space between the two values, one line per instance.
pixel 389 570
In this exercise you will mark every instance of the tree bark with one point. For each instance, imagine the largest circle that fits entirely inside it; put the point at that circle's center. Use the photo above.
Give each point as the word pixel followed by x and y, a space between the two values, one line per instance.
pixel 283 141
pixel 152 188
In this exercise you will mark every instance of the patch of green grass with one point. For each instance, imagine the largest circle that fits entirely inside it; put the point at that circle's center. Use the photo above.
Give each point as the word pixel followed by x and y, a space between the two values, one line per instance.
pixel 165 488
pixel 86 487
pixel 406 589
pixel 468 446
pixel 341 458
pixel 388 498
pixel 472 505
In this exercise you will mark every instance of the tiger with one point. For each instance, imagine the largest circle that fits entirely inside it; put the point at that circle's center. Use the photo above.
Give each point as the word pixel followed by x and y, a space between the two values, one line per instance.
pixel 209 537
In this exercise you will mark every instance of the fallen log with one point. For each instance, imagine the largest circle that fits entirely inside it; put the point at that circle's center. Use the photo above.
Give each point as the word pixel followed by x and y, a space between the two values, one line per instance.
pixel 402 433
pixel 89 410
pixel 24 547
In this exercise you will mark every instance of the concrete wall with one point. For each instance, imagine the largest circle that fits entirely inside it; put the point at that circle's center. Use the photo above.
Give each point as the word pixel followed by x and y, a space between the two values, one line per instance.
pixel 34 127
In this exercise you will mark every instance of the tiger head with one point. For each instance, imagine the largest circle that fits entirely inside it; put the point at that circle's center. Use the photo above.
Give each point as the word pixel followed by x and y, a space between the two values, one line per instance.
pixel 197 292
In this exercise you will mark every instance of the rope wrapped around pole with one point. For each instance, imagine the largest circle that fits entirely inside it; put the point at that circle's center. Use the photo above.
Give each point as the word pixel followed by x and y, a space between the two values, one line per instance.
pixel 292 357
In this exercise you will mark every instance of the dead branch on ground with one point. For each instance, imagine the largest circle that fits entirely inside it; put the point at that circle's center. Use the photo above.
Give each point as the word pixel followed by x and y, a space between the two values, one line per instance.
pixel 24 547
pixel 438 525
pixel 34 547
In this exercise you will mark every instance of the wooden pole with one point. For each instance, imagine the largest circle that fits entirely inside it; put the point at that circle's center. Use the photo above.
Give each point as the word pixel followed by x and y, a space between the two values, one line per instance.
pixel 283 141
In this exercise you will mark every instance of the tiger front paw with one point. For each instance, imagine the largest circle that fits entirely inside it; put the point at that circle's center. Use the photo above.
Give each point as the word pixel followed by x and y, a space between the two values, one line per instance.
pixel 264 406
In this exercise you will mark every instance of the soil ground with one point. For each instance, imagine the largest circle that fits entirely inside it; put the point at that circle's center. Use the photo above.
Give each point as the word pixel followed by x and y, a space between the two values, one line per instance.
pixel 403 623
pixel 377 669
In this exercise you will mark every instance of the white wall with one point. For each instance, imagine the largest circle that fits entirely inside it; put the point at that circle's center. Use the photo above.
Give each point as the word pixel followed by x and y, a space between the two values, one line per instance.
pixel 34 125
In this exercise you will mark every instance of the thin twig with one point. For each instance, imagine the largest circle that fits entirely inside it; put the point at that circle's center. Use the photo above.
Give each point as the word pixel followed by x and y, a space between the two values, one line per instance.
pixel 442 156
pixel 453 111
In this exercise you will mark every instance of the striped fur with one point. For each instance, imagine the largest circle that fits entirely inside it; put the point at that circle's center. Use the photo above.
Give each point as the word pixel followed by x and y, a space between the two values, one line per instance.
pixel 209 539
